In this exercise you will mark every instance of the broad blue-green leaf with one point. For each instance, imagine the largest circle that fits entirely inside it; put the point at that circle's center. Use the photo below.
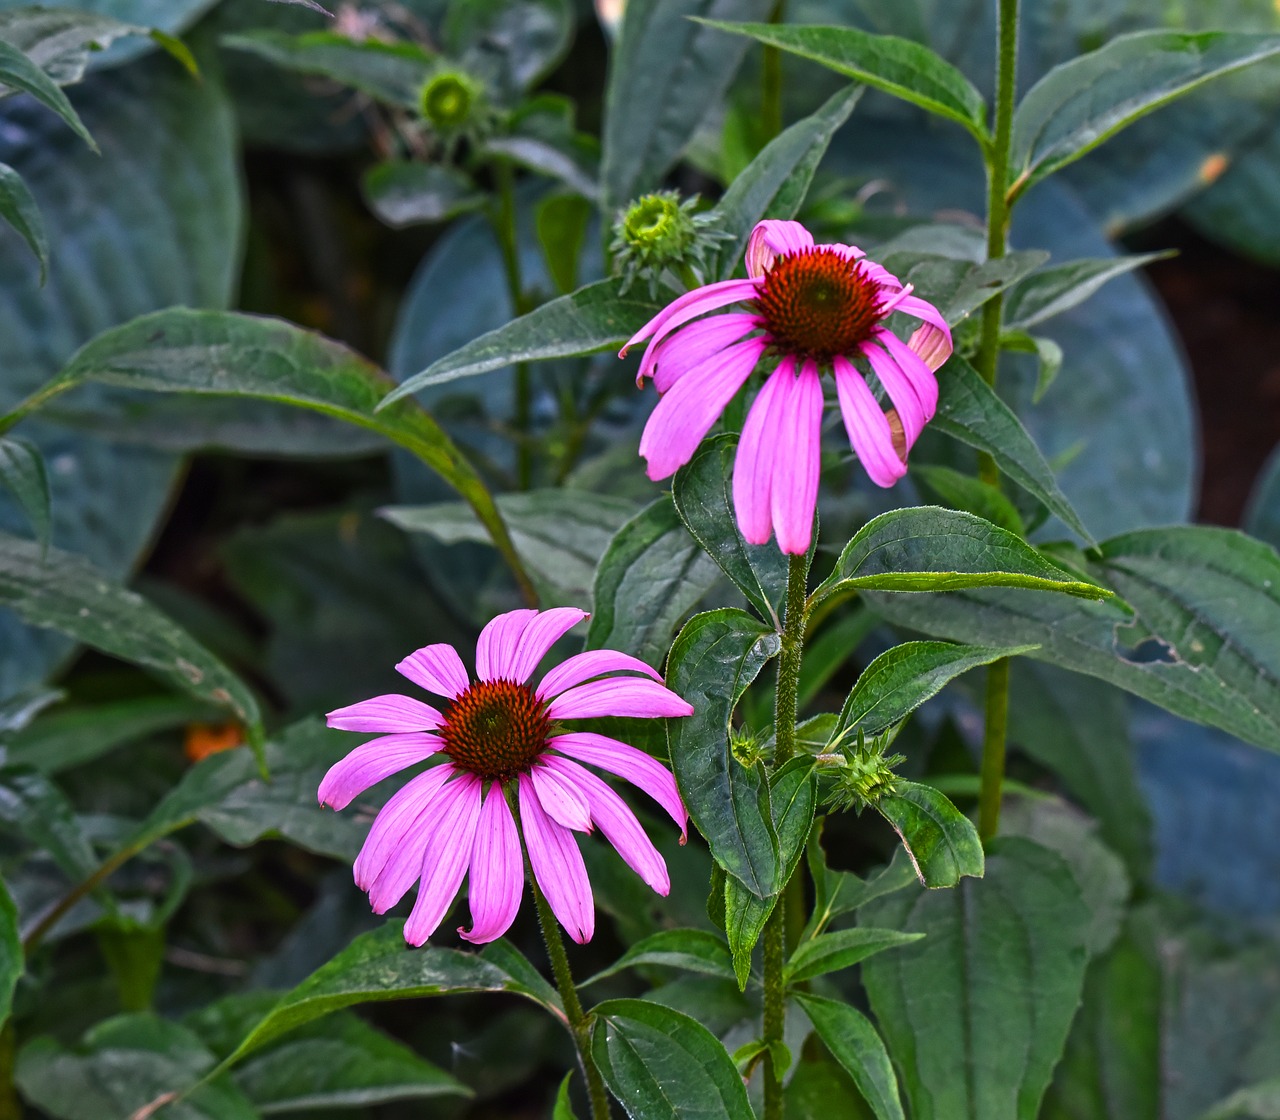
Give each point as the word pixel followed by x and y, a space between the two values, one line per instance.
pixel 518 41
pixel 651 575
pixel 11 956
pixel 928 548
pixel 542 137
pixel 829 952
pixel 19 209
pixel 1078 105
pixel 1262 516
pixel 59 34
pixel 1254 1102
pixel 940 840
pixel 662 1065
pixel 22 75
pixel 1061 287
pixel 774 184
pixel 405 193
pixel 976 1014
pixel 899 67
pixel 897 682
pixel 856 1045
pixel 22 474
pixel 665 73
pixel 17 712
pixel 693 950
pixel 713 660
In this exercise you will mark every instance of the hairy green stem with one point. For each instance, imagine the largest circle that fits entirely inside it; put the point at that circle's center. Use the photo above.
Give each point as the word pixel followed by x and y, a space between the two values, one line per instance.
pixel 784 730
pixel 771 82
pixel 10 1105
pixel 504 225
pixel 993 743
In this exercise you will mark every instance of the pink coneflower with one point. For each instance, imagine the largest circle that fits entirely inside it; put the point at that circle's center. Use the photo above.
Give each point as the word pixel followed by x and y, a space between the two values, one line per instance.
pixel 814 307
pixel 500 734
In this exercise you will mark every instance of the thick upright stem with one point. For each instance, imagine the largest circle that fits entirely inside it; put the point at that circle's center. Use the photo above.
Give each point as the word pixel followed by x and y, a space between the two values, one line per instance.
pixel 508 239
pixel 771 81
pixel 784 729
pixel 997 720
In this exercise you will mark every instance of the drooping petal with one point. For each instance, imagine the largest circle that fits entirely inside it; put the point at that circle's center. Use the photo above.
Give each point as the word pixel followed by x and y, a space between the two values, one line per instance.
pixel 497 871
pixel 395 832
pixel 618 823
pixel 685 414
pixel 933 345
pixel 557 866
pixel 445 859
pixel 867 425
pixel 906 401
pixel 497 643
pixel 753 464
pixel 918 374
pixel 629 763
pixel 438 669
pixel 391 713
pixel 679 353
pixel 370 762
pixel 591 663
pixel 797 461
pixel 563 802
pixel 772 239
pixel 539 636
pixel 688 306
pixel 618 696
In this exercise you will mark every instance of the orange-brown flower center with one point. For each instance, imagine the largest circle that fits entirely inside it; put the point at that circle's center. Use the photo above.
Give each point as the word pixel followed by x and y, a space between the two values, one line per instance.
pixel 496 729
pixel 817 303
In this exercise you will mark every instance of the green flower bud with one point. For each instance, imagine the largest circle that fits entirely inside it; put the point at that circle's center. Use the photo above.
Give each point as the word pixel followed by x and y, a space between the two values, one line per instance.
pixel 862 773
pixel 658 233
pixel 451 101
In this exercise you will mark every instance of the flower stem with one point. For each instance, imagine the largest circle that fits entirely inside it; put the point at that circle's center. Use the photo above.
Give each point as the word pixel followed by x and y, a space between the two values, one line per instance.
pixel 771 81
pixel 504 225
pixel 579 1022
pixel 993 742
pixel 784 729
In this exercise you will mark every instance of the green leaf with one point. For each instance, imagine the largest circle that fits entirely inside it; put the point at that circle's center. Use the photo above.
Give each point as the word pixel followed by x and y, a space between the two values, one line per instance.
pixel 900 67
pixel 405 193
pixel 17 712
pixel 560 534
pixel 22 474
pixel 958 287
pixel 1254 1102
pixel 839 892
pixel 59 591
pixel 19 73
pixel 541 137
pixel 228 354
pixel 19 209
pixel 941 841
pixel 12 959
pixel 968 410
pixel 976 1014
pixel 774 184
pixel 856 1045
pixel 563 1109
pixel 693 950
pixel 662 1065
pixel 826 652
pixel 1049 357
pixel 830 952
pixel 1051 291
pixel 61 41
pixel 391 72
pixel 379 966
pixel 702 495
pixel 1078 105
pixel 897 682
pixel 651 575
pixel 665 71
pixel 589 320
pixel 562 221
pixel 713 660
pixel 928 548
pixel 35 809
pixel 972 495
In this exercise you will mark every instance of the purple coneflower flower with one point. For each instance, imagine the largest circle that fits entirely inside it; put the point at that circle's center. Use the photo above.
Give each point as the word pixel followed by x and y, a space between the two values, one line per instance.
pixel 814 307
pixel 499 733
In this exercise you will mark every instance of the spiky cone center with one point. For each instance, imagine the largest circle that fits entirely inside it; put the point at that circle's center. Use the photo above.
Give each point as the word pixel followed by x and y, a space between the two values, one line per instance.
pixel 656 225
pixel 496 729
pixel 816 303
pixel 448 100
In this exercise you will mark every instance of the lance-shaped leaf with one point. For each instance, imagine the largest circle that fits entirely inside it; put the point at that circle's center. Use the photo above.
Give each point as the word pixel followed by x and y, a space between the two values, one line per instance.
pixel 1051 291
pixel 928 548
pixel 856 1045
pixel 941 841
pixel 22 474
pixel 900 67
pixel 830 952
pixel 20 74
pixel 1078 105
pixel 11 957
pixel 19 209
pixel 405 193
pixel 32 807
pixel 693 950
pixel 958 287
pixel 222 353
pixel 714 658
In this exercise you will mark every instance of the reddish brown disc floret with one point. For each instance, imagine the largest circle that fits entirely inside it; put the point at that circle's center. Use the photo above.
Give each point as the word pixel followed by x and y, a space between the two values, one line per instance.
pixel 817 303
pixel 496 729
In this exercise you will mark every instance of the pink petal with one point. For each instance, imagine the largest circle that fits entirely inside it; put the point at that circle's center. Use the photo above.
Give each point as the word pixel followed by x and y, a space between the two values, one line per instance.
pixel 797 461
pixel 561 799
pixel 867 425
pixel 922 309
pixel 685 414
pixel 540 635
pixel 390 713
pixel 681 352
pixel 628 763
pixel 618 696
pixel 438 669
pixel 370 762
pixel 557 866
pixel 918 374
pixel 395 833
pixel 895 382
pixel 496 646
pixel 772 239
pixel 753 465
pixel 933 345
pixel 445 859
pixel 497 871
pixel 688 306
pixel 591 663
pixel 619 825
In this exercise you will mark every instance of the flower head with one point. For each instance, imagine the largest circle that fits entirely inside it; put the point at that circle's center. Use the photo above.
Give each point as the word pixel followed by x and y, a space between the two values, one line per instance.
pixel 659 232
pixel 499 734
pixel 454 103
pixel 814 308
